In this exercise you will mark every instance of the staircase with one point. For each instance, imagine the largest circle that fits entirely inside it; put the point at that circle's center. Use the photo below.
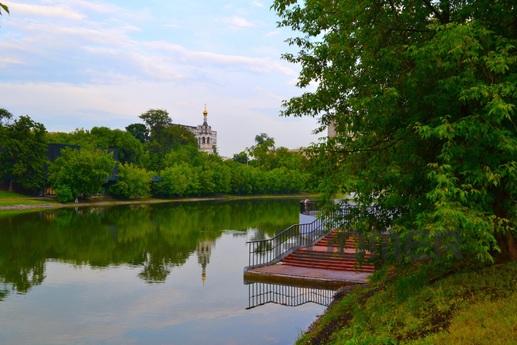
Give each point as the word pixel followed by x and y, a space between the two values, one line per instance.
pixel 329 253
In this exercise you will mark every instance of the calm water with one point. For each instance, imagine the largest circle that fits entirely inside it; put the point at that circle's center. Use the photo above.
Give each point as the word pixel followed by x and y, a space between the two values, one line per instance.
pixel 160 274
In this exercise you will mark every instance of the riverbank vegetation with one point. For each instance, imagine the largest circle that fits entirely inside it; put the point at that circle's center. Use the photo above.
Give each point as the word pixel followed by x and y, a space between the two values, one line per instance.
pixel 423 307
pixel 155 158
pixel 422 97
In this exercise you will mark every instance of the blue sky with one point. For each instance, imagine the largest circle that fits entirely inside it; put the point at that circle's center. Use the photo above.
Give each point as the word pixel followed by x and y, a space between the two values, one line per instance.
pixel 77 64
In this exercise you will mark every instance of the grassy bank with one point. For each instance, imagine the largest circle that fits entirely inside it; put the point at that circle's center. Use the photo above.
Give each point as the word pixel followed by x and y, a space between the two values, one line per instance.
pixel 13 203
pixel 478 307
pixel 10 199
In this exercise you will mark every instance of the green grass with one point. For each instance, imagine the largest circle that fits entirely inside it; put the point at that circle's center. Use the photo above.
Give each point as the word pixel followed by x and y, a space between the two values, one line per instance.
pixel 478 307
pixel 11 199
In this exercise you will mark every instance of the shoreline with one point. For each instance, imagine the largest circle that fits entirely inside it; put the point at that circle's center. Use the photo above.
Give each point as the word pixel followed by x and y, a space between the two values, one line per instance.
pixel 46 205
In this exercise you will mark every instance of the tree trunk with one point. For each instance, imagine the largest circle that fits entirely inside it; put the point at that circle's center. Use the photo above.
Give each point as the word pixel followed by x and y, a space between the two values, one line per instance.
pixel 506 241
pixel 511 246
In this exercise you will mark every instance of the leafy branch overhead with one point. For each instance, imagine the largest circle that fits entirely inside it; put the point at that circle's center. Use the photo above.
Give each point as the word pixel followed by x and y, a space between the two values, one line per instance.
pixel 3 7
pixel 423 97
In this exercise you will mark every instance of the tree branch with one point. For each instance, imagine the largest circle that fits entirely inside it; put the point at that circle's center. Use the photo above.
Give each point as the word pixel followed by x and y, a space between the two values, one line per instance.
pixel 433 9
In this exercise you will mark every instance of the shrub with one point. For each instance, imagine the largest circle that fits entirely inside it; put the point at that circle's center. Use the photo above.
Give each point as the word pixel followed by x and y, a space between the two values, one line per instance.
pixel 64 194
pixel 133 183
pixel 81 173
pixel 178 180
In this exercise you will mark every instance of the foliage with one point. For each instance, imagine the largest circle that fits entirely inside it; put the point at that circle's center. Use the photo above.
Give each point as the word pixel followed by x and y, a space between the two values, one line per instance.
pixel 414 309
pixel 64 193
pixel 156 120
pixel 260 152
pixel 23 153
pixel 241 157
pixel 3 7
pixel 422 96
pixel 178 180
pixel 80 173
pixel 127 148
pixel 5 116
pixel 133 182
pixel 139 131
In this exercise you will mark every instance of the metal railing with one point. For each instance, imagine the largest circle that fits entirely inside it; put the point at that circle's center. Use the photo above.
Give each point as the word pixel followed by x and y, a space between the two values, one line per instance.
pixel 271 250
pixel 263 293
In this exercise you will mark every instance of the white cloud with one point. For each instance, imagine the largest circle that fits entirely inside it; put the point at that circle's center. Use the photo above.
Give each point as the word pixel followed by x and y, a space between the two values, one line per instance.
pixel 95 71
pixel 237 22
pixel 6 60
pixel 252 63
pixel 95 6
pixel 237 118
pixel 45 10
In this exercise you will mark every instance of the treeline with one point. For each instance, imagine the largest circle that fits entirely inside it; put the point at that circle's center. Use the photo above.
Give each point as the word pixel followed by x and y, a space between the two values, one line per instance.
pixel 153 158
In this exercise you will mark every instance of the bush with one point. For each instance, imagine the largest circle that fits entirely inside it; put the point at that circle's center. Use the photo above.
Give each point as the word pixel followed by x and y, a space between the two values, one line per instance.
pixel 80 173
pixel 178 180
pixel 64 194
pixel 133 183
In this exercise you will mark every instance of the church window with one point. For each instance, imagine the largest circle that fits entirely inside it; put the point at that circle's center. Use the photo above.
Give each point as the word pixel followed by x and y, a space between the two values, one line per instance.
pixel 203 140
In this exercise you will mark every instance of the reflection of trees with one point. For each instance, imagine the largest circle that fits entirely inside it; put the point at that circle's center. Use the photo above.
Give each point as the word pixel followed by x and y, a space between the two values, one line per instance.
pixel 155 237
pixel 3 294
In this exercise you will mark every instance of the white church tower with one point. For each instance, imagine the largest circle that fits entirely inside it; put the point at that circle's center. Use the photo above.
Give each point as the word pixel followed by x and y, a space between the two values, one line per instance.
pixel 206 137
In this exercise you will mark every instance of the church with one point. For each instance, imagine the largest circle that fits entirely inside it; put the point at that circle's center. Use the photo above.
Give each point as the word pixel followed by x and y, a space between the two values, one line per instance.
pixel 205 136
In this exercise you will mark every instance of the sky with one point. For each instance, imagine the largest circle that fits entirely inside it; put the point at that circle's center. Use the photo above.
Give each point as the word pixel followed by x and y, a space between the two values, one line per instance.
pixel 77 64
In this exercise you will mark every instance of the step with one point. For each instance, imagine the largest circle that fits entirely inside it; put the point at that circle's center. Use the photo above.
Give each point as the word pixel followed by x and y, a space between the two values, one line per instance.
pixel 328 262
pixel 333 268
pixel 325 260
pixel 331 256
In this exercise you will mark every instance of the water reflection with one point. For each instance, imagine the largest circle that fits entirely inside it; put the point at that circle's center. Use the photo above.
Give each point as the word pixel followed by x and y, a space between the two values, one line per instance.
pixel 260 294
pixel 154 238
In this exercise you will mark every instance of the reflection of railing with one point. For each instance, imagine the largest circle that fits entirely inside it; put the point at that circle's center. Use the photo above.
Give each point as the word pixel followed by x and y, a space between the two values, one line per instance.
pixel 292 296
pixel 269 251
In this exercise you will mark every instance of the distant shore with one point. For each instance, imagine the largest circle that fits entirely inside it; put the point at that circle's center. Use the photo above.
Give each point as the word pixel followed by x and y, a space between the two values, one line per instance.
pixel 46 203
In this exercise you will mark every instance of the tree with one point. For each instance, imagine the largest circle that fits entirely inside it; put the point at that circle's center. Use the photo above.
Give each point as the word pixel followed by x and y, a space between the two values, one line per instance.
pixel 241 157
pixel 261 151
pixel 133 182
pixel 23 153
pixel 139 131
pixel 5 116
pixel 178 180
pixel 129 149
pixel 156 120
pixel 168 139
pixel 80 173
pixel 422 95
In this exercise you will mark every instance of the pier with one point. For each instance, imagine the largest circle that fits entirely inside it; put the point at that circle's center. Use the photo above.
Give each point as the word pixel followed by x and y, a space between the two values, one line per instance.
pixel 315 254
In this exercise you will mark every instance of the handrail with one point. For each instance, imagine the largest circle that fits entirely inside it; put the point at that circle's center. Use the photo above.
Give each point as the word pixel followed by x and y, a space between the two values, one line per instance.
pixel 271 250
pixel 281 233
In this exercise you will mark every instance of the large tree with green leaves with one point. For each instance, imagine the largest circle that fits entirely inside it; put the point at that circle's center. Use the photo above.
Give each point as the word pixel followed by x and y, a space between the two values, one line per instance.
pixel 80 173
pixel 422 95
pixel 23 152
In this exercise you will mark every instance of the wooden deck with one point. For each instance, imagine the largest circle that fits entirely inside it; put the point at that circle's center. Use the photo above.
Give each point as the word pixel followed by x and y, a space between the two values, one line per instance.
pixel 328 263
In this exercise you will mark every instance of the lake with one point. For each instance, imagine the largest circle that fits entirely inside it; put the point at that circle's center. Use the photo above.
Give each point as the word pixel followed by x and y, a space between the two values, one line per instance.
pixel 147 274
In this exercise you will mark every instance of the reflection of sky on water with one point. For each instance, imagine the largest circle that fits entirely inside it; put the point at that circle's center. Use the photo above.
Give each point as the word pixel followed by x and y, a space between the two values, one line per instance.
pixel 81 305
